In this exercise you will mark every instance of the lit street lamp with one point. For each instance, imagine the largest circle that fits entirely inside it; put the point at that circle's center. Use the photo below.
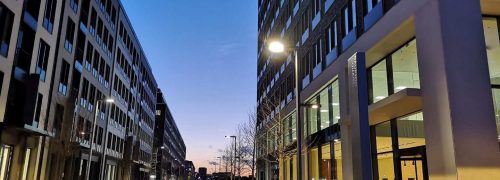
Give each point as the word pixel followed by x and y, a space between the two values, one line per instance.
pixel 279 47
pixel 233 163
pixel 94 124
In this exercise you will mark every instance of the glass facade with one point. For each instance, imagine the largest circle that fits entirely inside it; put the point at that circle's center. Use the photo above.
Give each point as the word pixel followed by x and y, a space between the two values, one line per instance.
pixel 492 40
pixel 397 71
pixel 324 157
pixel 399 148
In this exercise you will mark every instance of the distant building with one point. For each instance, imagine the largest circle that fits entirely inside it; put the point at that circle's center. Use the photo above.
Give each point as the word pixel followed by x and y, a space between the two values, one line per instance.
pixel 189 170
pixel 169 148
pixel 202 173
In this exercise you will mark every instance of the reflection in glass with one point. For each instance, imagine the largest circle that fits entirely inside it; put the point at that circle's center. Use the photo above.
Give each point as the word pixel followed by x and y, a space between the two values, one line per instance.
pixel 379 81
pixel 324 109
pixel 405 67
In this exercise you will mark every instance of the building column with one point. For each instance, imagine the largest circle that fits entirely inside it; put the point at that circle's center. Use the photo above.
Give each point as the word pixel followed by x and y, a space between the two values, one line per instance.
pixel 460 131
pixel 354 126
pixel 344 122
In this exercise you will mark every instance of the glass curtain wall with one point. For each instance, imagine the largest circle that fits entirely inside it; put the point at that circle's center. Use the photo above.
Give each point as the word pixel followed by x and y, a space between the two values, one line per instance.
pixel 492 40
pixel 324 157
pixel 397 71
pixel 399 148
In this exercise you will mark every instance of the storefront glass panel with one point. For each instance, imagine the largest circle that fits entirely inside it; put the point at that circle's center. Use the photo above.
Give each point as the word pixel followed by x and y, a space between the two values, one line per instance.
pixel 335 102
pixel 385 160
pixel 337 167
pixel 324 109
pixel 326 162
pixel 312 118
pixel 313 164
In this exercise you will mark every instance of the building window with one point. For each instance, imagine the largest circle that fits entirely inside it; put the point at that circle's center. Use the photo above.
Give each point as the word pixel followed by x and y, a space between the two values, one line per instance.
pixel 312 114
pixel 70 33
pixel 331 37
pixel 50 12
pixel 36 118
pixel 370 4
pixel 64 77
pixel 349 17
pixel 492 40
pixel 316 7
pixel 324 108
pixel 399 148
pixel 6 21
pixel 335 102
pixel 379 82
pixel 5 160
pixel 396 72
pixel 43 58
pixel 73 4
pixel 313 164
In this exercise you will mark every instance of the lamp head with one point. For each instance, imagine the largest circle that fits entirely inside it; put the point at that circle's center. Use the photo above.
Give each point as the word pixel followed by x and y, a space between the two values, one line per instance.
pixel 109 100
pixel 276 47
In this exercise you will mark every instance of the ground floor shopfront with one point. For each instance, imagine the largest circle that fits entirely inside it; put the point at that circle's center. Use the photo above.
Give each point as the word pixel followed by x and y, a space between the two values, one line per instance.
pixel 415 98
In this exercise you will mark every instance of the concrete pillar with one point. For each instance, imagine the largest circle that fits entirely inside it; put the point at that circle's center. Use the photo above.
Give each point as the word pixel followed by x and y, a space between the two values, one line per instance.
pixel 358 128
pixel 345 126
pixel 460 130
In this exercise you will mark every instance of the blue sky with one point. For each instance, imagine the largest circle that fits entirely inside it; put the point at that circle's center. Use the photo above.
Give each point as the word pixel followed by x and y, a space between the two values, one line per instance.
pixel 203 55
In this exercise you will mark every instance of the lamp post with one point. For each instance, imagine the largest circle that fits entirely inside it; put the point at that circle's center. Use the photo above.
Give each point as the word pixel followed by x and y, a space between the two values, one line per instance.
pixel 220 163
pixel 233 163
pixel 279 47
pixel 94 124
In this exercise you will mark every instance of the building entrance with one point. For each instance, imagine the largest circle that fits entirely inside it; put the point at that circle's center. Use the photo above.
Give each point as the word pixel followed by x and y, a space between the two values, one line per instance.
pixel 413 164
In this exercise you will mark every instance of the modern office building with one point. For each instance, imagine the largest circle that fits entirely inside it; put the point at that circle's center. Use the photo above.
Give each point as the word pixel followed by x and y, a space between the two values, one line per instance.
pixel 169 147
pixel 389 89
pixel 190 170
pixel 61 61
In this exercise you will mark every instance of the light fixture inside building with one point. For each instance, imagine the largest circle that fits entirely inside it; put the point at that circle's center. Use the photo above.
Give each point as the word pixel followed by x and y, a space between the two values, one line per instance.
pixel 315 106
pixel 323 110
pixel 335 104
pixel 110 100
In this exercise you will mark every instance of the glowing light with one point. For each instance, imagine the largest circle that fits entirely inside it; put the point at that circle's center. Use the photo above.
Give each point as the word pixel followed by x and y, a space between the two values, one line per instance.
pixel 276 47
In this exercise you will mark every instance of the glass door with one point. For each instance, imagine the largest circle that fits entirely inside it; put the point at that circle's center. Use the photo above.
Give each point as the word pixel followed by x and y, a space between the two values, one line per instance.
pixel 413 164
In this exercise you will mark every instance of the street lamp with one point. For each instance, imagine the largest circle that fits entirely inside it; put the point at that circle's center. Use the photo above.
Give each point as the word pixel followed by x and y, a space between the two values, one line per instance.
pixel 279 47
pixel 220 163
pixel 233 164
pixel 94 124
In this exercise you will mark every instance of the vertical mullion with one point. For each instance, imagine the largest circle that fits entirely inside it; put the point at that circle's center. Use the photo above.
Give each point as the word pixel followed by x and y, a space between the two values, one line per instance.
pixel 390 76
pixel 395 149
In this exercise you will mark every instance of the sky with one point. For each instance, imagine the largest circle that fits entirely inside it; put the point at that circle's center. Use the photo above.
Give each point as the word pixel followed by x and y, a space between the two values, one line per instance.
pixel 203 55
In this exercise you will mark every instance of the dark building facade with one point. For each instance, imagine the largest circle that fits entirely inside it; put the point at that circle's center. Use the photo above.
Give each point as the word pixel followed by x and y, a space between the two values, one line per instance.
pixel 389 89
pixel 169 147
pixel 59 60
